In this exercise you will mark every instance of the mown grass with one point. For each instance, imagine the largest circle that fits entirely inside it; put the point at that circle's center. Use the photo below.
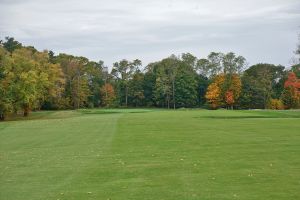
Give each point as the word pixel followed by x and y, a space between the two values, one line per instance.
pixel 151 154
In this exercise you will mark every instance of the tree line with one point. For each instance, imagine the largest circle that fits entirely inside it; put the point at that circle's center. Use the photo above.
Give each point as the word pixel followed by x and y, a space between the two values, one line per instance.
pixel 40 80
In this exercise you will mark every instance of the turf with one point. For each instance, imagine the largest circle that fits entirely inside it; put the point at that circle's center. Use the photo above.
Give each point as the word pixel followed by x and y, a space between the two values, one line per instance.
pixel 151 154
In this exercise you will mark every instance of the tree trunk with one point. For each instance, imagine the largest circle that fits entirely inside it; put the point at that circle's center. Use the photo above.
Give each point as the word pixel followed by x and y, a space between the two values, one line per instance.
pixel 78 94
pixel 174 103
pixel 126 95
pixel 26 111
pixel 168 101
pixel 2 117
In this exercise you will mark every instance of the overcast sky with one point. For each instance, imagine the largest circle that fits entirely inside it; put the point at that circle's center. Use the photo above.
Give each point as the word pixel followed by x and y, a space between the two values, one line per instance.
pixel 110 30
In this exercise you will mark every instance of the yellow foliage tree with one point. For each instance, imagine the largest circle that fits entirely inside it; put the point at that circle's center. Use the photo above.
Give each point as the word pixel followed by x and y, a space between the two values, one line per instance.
pixel 276 104
pixel 224 90
pixel 213 95
pixel 214 92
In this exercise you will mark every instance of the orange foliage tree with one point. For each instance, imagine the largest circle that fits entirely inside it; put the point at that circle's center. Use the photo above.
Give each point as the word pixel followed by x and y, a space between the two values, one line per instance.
pixel 291 93
pixel 213 95
pixel 293 81
pixel 229 98
pixel 214 92
pixel 232 87
pixel 108 94
pixel 224 90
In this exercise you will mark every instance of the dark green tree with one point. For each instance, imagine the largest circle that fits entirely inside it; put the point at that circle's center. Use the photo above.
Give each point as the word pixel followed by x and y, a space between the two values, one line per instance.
pixel 10 44
pixel 186 87
pixel 136 89
pixel 260 83
pixel 123 71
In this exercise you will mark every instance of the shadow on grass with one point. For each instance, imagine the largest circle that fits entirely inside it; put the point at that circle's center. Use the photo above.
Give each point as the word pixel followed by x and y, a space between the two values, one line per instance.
pixel 43 115
pixel 100 112
pixel 247 117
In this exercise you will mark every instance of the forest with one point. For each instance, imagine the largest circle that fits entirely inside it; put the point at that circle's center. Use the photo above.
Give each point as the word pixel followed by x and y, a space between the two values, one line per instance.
pixel 33 80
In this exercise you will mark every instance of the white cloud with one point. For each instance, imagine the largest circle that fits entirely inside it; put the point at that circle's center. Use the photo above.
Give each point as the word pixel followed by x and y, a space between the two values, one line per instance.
pixel 260 30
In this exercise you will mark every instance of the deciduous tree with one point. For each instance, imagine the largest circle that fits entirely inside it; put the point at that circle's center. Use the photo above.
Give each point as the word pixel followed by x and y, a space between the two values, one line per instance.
pixel 136 90
pixel 108 95
pixel 10 44
pixel 6 98
pixel 124 71
pixel 291 93
pixel 214 92
pixel 260 83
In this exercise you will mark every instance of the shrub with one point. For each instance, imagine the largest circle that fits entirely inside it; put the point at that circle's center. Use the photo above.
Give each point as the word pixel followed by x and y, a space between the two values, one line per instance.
pixel 276 104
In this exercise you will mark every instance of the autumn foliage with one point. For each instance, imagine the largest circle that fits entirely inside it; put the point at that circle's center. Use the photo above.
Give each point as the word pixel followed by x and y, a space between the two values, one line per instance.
pixel 214 92
pixel 291 92
pixel 275 104
pixel 108 93
pixel 224 90
pixel 213 95
pixel 293 82
pixel 229 98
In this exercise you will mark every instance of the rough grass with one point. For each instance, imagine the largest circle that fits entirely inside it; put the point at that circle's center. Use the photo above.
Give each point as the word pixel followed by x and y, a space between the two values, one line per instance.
pixel 151 154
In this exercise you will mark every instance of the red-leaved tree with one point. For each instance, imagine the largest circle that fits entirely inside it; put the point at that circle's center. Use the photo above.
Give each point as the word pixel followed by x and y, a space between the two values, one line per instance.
pixel 291 93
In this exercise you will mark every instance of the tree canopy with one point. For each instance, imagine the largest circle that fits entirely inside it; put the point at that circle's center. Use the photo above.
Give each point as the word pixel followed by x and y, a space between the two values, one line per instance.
pixel 32 80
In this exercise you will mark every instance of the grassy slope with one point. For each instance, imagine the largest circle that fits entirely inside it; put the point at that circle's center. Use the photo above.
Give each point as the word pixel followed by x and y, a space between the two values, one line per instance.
pixel 135 154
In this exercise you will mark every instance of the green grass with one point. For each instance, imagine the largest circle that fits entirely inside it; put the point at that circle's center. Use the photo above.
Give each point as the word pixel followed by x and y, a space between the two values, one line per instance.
pixel 151 154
